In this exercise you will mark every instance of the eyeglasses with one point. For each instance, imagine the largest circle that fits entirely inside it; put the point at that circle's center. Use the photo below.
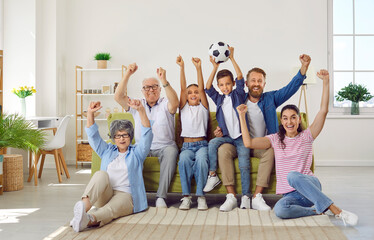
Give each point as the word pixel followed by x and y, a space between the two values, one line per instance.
pixel 147 88
pixel 121 136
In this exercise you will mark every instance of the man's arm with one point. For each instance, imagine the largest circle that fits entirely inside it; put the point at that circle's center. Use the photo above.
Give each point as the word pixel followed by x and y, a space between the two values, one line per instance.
pixel 121 91
pixel 239 74
pixel 288 91
pixel 170 92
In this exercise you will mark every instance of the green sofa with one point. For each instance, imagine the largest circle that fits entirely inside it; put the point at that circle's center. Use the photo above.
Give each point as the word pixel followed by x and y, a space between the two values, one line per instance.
pixel 151 170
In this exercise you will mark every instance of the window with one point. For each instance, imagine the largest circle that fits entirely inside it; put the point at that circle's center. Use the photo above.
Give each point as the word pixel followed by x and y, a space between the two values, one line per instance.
pixel 351 44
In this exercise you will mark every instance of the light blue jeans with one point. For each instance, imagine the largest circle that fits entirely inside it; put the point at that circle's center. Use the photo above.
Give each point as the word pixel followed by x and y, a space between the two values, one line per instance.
pixel 243 156
pixel 193 162
pixel 306 200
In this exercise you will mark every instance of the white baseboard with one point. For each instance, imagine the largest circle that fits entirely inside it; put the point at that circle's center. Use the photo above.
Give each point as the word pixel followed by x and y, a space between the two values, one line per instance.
pixel 344 163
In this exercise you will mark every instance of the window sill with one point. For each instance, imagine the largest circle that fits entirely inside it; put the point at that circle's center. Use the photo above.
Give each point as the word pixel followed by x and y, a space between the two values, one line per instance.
pixel 348 116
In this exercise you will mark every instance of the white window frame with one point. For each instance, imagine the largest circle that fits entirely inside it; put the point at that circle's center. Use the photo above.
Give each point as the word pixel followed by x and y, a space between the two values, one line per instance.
pixel 330 34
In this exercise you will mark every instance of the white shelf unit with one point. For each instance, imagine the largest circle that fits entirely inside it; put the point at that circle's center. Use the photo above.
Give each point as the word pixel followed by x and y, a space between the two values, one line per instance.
pixel 81 83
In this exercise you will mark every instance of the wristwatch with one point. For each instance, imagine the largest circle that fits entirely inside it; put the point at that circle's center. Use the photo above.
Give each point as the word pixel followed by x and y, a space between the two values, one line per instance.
pixel 167 84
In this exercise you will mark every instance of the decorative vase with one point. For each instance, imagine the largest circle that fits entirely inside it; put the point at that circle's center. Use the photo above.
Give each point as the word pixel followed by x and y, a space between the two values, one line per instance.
pixel 102 64
pixel 23 106
pixel 355 108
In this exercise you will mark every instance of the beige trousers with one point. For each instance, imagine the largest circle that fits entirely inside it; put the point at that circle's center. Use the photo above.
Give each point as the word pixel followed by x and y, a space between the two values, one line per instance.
pixel 109 204
pixel 227 154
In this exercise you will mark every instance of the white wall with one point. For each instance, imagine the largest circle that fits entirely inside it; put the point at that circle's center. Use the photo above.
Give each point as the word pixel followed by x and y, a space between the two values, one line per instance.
pixel 267 34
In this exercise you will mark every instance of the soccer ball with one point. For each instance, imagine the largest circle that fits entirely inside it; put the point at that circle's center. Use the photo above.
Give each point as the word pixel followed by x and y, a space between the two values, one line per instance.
pixel 220 51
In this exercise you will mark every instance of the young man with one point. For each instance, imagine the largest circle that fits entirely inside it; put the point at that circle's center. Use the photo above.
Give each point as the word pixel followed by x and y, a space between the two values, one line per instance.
pixel 161 111
pixel 263 120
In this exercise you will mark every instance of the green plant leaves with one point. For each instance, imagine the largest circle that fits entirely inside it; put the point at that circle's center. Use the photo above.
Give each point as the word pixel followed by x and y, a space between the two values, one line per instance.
pixel 16 132
pixel 103 56
pixel 354 93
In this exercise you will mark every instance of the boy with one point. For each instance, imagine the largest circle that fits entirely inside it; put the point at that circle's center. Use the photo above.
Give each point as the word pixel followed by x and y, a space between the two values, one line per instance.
pixel 228 121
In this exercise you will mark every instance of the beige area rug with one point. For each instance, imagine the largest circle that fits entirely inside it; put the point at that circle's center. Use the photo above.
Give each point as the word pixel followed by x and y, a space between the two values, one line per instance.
pixel 172 223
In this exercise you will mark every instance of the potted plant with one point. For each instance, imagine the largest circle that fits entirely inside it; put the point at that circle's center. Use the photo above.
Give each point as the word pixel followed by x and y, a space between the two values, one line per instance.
pixel 102 59
pixel 355 93
pixel 16 132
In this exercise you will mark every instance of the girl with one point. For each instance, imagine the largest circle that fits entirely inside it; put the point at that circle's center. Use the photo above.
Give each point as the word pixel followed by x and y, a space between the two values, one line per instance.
pixel 193 159
pixel 302 195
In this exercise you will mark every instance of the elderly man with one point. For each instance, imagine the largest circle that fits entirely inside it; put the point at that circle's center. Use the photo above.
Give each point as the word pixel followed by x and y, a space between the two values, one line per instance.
pixel 263 120
pixel 161 110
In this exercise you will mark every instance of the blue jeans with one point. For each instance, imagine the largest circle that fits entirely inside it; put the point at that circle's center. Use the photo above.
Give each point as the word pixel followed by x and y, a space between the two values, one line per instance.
pixel 193 162
pixel 243 156
pixel 306 200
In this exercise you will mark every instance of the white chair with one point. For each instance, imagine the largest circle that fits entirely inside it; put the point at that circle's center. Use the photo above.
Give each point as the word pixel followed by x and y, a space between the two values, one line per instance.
pixel 54 147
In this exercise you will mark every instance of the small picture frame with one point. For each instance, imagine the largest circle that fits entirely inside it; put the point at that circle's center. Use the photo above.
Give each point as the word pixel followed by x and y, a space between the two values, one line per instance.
pixel 106 89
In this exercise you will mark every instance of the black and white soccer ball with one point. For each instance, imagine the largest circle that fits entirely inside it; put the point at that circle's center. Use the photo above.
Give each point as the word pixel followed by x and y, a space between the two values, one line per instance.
pixel 219 51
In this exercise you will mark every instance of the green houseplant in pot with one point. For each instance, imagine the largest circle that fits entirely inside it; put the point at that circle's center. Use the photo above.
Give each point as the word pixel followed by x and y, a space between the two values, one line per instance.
pixel 102 59
pixel 16 132
pixel 355 93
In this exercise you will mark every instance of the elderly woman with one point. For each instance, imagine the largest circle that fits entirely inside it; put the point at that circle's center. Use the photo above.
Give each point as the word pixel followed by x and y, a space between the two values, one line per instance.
pixel 117 189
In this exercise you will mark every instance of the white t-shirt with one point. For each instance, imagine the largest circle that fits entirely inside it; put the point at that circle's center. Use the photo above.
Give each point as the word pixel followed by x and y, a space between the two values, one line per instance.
pixel 256 120
pixel 163 127
pixel 194 120
pixel 231 120
pixel 119 174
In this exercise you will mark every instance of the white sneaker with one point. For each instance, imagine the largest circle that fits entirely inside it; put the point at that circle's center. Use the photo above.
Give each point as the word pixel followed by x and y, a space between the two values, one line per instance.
pixel 258 203
pixel 160 203
pixel 186 203
pixel 201 204
pixel 211 183
pixel 246 202
pixel 80 219
pixel 347 217
pixel 229 204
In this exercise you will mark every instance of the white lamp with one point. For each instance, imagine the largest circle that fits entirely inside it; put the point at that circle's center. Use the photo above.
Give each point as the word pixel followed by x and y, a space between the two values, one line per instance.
pixel 310 80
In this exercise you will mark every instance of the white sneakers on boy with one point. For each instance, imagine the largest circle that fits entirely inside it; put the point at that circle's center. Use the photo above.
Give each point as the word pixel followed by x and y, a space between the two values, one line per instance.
pixel 160 203
pixel 258 203
pixel 211 183
pixel 246 202
pixel 229 204
pixel 80 219
pixel 201 204
pixel 186 203
pixel 347 217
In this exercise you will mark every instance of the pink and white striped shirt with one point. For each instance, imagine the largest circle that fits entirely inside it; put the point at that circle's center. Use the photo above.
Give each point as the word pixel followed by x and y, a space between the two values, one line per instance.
pixel 297 156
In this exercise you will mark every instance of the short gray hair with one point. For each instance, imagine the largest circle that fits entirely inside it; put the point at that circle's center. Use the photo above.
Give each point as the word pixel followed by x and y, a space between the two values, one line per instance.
pixel 121 125
pixel 153 78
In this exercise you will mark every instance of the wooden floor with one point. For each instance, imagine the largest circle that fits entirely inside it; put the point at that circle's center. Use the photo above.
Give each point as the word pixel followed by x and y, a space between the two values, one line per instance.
pixel 35 212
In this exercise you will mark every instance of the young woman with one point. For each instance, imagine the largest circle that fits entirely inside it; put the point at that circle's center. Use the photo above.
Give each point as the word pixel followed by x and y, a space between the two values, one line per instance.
pixel 302 195
pixel 193 159
pixel 118 188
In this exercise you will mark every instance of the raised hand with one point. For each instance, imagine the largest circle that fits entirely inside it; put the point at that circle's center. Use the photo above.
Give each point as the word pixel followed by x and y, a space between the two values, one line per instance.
pixel 135 104
pixel 94 107
pixel 231 52
pixel 161 73
pixel 132 68
pixel 196 62
pixel 324 75
pixel 242 109
pixel 212 60
pixel 180 61
pixel 305 60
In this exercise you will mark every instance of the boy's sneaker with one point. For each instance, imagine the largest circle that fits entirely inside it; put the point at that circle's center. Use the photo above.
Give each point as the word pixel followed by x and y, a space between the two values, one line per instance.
pixel 229 204
pixel 160 203
pixel 347 217
pixel 246 202
pixel 186 203
pixel 201 204
pixel 259 203
pixel 211 183
pixel 80 219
